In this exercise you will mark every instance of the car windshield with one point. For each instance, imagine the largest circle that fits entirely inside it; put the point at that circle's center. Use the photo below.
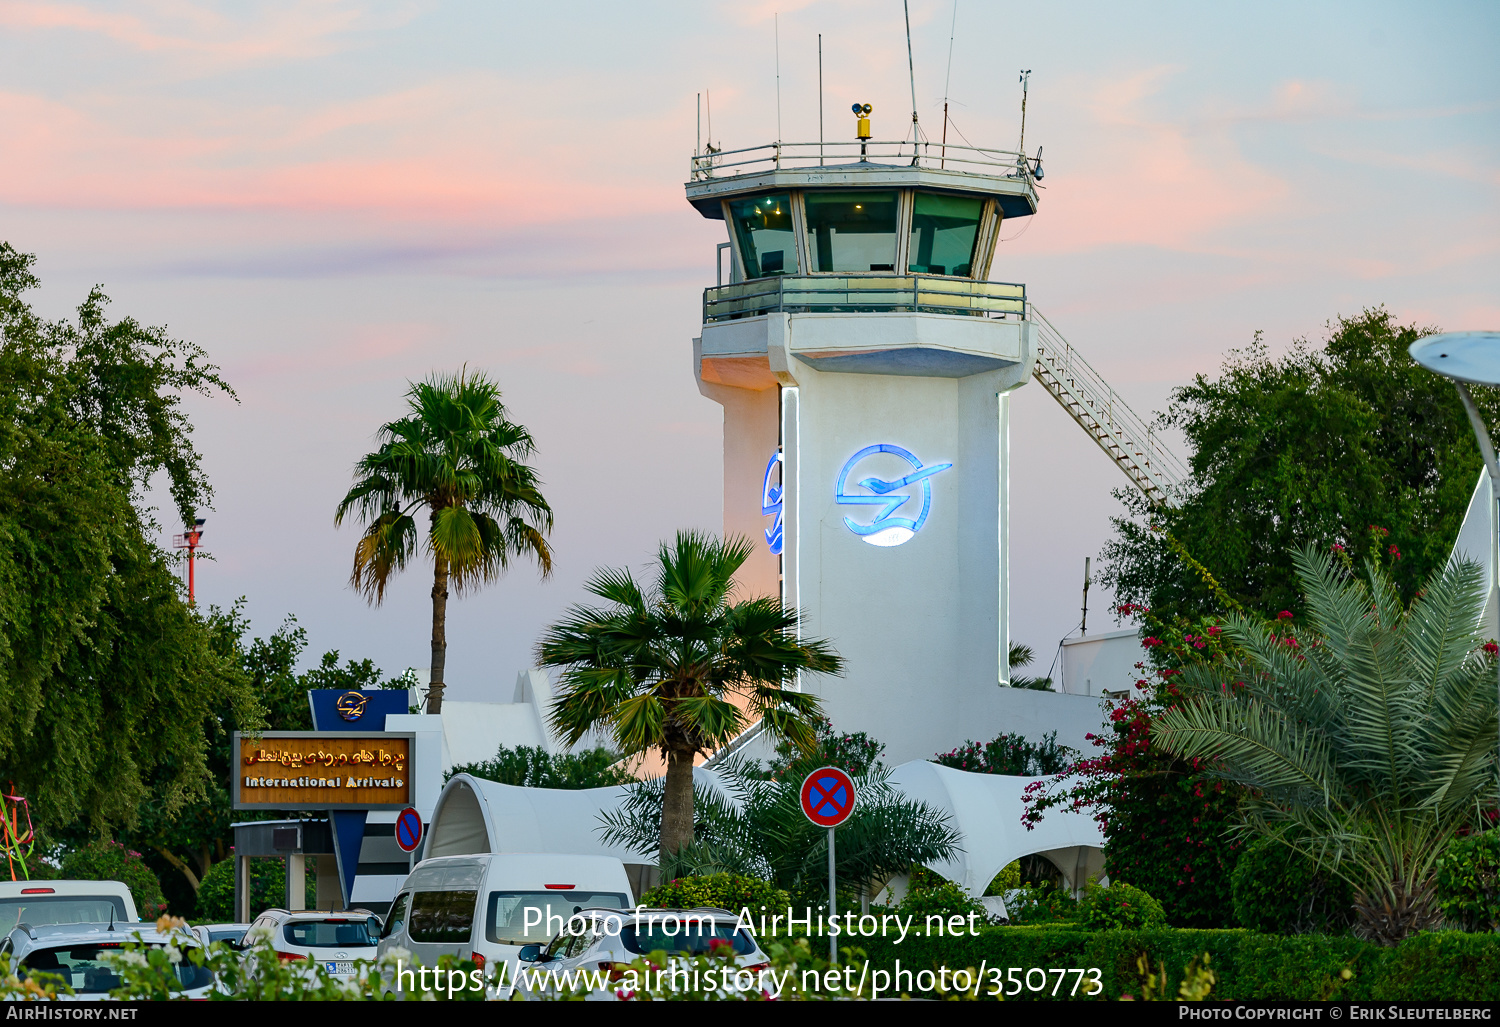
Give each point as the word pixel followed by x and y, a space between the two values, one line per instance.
pixel 83 967
pixel 39 910
pixel 334 933
pixel 522 917
pixel 688 934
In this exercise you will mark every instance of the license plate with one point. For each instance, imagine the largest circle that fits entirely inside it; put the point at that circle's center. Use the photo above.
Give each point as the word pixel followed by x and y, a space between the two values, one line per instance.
pixel 340 969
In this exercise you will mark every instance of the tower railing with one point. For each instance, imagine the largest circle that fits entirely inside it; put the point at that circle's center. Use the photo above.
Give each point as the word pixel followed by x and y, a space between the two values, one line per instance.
pixel 943 157
pixel 1125 438
pixel 863 293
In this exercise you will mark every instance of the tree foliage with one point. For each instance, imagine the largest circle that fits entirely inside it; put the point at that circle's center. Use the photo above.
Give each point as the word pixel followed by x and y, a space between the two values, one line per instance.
pixel 758 828
pixel 1309 448
pixel 457 456
pixel 108 679
pixel 1366 742
pixel 532 766
pixel 682 666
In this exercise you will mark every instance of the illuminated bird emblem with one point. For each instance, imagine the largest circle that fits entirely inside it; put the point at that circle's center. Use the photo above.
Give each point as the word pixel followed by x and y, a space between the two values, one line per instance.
pixel 351 705
pixel 770 505
pixel 887 529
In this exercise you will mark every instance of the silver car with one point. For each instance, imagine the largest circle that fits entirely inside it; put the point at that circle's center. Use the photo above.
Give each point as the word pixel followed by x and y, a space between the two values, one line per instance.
pixel 76 953
pixel 614 938
pixel 335 939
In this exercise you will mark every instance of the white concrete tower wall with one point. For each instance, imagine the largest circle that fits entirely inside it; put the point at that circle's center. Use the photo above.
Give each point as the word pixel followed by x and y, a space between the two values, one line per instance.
pixel 894 358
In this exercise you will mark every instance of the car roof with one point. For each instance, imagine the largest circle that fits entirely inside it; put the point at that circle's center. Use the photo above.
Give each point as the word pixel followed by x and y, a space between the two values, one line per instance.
pixel 62 934
pixel 307 914
pixel 17 889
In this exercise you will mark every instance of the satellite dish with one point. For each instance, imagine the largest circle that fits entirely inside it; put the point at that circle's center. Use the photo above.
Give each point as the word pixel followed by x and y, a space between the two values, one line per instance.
pixel 1472 357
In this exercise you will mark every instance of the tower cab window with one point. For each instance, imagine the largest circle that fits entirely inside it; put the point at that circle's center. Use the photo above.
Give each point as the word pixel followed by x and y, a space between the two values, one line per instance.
pixel 852 231
pixel 943 231
pixel 763 225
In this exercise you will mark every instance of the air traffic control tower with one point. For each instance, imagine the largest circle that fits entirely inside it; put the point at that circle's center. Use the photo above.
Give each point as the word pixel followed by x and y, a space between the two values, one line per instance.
pixel 864 363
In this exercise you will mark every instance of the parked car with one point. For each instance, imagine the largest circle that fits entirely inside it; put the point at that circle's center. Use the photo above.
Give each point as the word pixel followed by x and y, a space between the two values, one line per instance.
pixel 76 953
pixel 614 938
pixel 335 939
pixel 65 902
pixel 232 935
pixel 486 907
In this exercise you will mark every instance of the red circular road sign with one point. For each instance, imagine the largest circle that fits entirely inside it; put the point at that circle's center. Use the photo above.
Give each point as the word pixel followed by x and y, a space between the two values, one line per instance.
pixel 828 796
pixel 408 829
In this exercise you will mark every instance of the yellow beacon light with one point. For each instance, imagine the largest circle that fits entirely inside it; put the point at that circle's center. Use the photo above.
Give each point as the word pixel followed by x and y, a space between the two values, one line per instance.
pixel 862 125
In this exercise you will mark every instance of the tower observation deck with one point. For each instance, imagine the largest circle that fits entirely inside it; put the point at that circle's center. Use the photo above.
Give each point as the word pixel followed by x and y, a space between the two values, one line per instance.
pixel 864 361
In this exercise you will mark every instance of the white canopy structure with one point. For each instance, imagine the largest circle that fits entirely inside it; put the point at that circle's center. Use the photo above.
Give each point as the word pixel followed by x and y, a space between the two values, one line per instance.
pixel 475 815
pixel 986 810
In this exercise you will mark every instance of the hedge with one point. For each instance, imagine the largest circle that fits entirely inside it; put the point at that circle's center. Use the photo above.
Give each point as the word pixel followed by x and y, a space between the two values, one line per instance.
pixel 1441 965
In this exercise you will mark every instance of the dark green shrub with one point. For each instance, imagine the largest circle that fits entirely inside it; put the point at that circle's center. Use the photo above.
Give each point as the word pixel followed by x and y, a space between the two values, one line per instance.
pixel 1044 904
pixel 931 895
pixel 267 889
pixel 535 767
pixel 1278 891
pixel 1434 966
pixel 854 752
pixel 108 860
pixel 1468 879
pixel 719 891
pixel 1119 907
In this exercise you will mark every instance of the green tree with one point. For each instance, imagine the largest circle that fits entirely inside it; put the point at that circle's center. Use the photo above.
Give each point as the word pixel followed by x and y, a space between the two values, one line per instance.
pixel 760 830
pixel 1313 447
pixel 457 456
pixel 661 666
pixel 1367 742
pixel 108 679
pixel 534 767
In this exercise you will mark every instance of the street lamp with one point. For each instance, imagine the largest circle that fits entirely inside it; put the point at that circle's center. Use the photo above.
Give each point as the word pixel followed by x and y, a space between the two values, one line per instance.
pixel 1471 358
pixel 189 540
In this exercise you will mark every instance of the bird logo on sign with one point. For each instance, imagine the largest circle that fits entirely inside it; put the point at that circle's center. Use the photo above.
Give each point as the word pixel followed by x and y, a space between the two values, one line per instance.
pixel 351 705
pixel 771 497
pixel 888 494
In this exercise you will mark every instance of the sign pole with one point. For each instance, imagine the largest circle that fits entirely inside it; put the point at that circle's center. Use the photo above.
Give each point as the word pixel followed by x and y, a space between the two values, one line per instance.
pixel 833 939
pixel 828 796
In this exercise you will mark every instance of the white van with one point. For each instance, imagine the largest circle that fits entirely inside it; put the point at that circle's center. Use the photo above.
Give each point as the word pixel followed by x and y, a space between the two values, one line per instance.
pixel 485 907
pixel 65 902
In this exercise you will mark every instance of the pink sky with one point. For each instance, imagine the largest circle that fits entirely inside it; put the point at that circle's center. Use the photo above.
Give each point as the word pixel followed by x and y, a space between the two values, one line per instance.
pixel 336 198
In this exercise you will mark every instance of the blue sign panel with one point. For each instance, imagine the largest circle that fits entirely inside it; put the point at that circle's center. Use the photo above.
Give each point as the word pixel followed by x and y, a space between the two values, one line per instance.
pixel 771 497
pixel 887 496
pixel 336 709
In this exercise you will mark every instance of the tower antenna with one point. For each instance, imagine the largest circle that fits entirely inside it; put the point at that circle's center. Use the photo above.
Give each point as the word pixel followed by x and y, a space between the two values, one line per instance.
pixel 820 99
pixel 947 81
pixel 776 29
pixel 1025 86
pixel 911 69
pixel 698 144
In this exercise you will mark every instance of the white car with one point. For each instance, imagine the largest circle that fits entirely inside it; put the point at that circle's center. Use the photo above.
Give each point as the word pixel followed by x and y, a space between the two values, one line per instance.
pixel 614 938
pixel 76 953
pixel 485 907
pixel 334 939
pixel 232 935
pixel 65 902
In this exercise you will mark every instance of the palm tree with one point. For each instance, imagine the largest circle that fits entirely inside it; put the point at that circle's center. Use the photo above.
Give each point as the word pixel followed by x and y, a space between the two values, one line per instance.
pixel 1367 742
pixel 659 666
pixel 457 455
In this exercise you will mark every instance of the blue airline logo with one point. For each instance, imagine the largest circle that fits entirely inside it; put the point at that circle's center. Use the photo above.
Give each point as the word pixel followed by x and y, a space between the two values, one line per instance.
pixel 887 529
pixel 771 497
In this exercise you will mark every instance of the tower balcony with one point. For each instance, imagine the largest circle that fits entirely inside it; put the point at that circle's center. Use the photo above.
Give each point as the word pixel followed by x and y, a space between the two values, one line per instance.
pixel 872 292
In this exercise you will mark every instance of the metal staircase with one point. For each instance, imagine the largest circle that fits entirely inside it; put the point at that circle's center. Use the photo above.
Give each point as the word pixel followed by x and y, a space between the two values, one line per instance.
pixel 1119 431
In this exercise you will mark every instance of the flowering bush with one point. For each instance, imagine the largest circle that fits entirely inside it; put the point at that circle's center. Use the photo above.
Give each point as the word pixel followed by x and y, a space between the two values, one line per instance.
pixel 1119 907
pixel 259 973
pixel 1011 753
pixel 107 860
pixel 1164 820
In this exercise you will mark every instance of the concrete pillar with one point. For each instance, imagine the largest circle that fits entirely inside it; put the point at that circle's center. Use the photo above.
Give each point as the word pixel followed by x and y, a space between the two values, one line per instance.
pixel 330 894
pixel 296 881
pixel 241 890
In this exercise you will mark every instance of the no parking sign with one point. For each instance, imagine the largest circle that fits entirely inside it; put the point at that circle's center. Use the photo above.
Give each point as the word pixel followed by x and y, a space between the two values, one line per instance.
pixel 828 797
